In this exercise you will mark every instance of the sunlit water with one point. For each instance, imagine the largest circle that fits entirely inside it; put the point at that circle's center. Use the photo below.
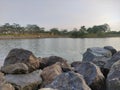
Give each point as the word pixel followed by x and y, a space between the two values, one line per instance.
pixel 68 48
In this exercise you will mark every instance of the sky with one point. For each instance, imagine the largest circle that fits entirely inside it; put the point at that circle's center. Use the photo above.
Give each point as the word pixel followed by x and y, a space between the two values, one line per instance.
pixel 62 14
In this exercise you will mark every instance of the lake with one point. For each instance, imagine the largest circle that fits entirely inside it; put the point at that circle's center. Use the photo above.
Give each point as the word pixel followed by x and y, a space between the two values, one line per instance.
pixel 71 49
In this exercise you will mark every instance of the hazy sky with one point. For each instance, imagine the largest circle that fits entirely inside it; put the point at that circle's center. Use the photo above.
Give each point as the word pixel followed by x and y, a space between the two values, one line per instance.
pixel 61 13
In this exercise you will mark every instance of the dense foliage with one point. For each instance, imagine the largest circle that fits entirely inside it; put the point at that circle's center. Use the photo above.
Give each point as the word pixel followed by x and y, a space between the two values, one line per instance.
pixel 95 31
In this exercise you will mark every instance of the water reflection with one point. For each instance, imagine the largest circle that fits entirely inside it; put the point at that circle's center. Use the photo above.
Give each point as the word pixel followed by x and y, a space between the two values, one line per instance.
pixel 69 48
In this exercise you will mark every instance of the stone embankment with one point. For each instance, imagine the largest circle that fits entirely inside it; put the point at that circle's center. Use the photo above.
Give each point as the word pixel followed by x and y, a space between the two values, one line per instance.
pixel 98 70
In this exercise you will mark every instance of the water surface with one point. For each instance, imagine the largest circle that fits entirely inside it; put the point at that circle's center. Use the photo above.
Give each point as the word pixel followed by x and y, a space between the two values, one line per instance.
pixel 68 48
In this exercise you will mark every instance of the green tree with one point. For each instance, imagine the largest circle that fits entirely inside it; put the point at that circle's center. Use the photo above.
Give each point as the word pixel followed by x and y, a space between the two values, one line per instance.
pixel 74 33
pixel 17 28
pixel 99 29
pixel 64 32
pixel 82 31
pixel 54 31
pixel 7 28
pixel 32 28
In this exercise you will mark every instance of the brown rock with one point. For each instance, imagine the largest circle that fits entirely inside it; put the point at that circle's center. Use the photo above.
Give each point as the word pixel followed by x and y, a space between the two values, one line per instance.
pixel 7 87
pixel 48 61
pixel 3 84
pixel 2 79
pixel 49 73
pixel 16 68
pixel 22 56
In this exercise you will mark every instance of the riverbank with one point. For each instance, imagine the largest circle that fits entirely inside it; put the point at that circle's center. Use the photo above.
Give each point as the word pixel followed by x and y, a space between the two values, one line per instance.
pixel 47 35
pixel 28 36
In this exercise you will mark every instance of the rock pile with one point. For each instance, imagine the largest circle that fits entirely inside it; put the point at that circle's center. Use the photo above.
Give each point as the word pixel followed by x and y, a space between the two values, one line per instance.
pixel 98 70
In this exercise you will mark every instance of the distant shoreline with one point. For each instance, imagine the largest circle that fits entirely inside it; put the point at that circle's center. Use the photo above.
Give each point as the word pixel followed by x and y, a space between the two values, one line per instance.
pixel 38 36
pixel 26 36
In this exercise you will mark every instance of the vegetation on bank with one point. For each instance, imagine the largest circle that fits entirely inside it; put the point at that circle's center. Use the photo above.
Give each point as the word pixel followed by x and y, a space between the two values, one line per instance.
pixel 34 31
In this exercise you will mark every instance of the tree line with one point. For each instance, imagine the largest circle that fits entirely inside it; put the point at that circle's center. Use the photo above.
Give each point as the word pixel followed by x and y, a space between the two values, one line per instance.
pixel 14 28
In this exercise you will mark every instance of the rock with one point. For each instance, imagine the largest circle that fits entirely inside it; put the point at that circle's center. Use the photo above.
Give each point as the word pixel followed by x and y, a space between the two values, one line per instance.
pixel 2 79
pixel 47 89
pixel 76 63
pixel 22 56
pixel 113 79
pixel 7 87
pixel 92 75
pixel 96 53
pixel 114 59
pixel 110 48
pixel 3 84
pixel 65 67
pixel 101 63
pixel 98 56
pixel 69 81
pixel 17 68
pixel 25 81
pixel 48 61
pixel 50 73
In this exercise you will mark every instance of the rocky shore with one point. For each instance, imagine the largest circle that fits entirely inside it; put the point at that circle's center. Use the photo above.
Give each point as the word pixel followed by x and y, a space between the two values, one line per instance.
pixel 98 70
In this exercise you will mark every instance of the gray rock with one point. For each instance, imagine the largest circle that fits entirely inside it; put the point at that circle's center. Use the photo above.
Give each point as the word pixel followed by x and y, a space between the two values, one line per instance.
pixel 17 68
pixel 114 59
pixel 113 79
pixel 92 75
pixel 110 48
pixel 98 56
pixel 47 89
pixel 101 63
pixel 75 63
pixel 69 81
pixel 22 56
pixel 25 81
pixel 95 53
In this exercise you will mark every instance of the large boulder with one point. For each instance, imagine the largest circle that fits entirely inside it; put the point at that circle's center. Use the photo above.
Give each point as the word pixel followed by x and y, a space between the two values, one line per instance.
pixel 110 48
pixel 48 61
pixel 17 68
pixel 99 56
pixel 92 75
pixel 22 56
pixel 25 81
pixel 69 81
pixel 113 78
pixel 95 53
pixel 114 59
pixel 50 73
